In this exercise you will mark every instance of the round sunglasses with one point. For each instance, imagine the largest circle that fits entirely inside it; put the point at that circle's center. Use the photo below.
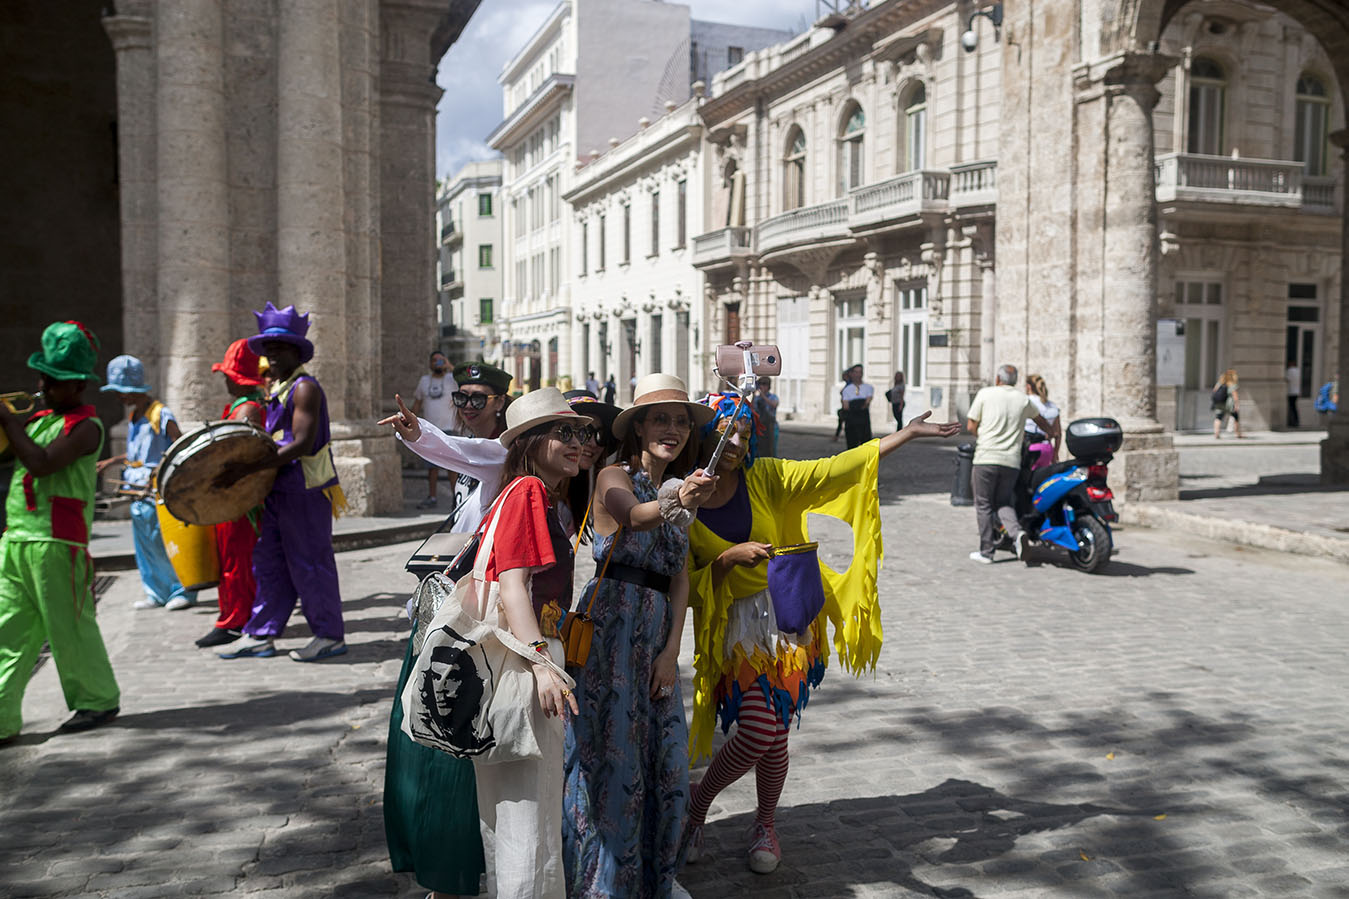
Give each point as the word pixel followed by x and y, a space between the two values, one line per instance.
pixel 582 433
pixel 471 400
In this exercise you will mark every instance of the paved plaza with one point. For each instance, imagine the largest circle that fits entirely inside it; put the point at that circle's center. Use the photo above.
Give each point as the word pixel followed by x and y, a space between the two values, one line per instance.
pixel 1174 727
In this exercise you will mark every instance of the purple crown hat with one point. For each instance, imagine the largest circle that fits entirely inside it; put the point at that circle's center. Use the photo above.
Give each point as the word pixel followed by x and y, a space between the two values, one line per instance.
pixel 285 325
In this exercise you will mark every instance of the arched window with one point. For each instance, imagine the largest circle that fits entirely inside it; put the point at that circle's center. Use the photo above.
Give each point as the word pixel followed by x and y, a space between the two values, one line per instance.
pixel 1309 136
pixel 1208 86
pixel 850 155
pixel 794 170
pixel 915 129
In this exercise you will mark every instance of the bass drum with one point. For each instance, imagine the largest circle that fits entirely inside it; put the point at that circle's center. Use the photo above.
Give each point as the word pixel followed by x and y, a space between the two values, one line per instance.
pixel 194 461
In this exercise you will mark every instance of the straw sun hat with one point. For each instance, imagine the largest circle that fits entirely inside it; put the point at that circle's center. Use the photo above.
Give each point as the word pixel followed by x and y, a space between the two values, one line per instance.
pixel 535 408
pixel 656 389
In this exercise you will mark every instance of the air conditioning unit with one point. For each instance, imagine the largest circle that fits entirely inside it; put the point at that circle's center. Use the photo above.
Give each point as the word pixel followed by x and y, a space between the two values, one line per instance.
pixel 448 330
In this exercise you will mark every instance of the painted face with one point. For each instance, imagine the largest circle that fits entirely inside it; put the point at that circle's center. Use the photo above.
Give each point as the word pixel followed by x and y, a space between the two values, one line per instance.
pixel 737 447
pixel 665 430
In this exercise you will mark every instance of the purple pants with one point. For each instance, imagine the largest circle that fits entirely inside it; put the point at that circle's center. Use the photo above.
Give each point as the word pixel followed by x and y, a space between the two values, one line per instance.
pixel 294 558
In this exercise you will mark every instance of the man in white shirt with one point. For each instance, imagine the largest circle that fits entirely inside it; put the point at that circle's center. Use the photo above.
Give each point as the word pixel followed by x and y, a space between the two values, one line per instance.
pixel 856 398
pixel 592 384
pixel 433 402
pixel 1294 378
pixel 997 419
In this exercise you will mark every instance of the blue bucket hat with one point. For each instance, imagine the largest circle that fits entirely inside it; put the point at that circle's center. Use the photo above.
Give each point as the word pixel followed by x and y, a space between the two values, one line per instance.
pixel 126 374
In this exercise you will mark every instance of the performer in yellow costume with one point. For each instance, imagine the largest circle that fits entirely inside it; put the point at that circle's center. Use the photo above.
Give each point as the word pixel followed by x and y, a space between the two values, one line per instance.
pixel 749 668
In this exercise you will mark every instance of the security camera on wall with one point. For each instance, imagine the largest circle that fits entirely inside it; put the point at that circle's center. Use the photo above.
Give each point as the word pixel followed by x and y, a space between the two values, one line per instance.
pixel 969 40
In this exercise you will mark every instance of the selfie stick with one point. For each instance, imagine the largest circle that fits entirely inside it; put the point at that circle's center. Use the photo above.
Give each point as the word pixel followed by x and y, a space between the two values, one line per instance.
pixel 746 372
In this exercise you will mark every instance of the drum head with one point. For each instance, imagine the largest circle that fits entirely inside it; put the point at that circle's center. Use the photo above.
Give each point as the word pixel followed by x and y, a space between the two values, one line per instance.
pixel 191 465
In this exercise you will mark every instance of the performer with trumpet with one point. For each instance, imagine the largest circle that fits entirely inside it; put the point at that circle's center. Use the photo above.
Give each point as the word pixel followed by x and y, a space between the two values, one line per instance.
pixel 151 429
pixel 46 574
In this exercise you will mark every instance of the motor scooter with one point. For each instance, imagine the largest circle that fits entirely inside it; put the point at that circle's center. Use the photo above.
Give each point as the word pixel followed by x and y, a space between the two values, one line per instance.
pixel 1070 504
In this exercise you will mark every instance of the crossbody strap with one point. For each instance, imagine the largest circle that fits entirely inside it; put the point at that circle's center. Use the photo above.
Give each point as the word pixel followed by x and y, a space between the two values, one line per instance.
pixel 485 546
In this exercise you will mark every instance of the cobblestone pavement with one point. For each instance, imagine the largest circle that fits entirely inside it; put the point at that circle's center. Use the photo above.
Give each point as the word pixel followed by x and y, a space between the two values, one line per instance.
pixel 1173 727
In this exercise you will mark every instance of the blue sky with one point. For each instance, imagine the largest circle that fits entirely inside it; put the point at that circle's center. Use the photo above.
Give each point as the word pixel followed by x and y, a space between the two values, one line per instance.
pixel 471 107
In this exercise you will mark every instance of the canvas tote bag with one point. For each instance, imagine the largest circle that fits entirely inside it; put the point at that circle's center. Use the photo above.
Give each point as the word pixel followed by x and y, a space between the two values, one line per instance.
pixel 472 692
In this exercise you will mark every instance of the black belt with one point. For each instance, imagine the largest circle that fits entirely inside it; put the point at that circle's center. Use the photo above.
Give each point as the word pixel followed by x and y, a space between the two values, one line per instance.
pixel 639 576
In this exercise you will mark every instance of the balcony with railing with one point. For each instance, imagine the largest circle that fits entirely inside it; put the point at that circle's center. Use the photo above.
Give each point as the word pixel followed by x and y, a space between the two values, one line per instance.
pixel 446 230
pixel 725 246
pixel 974 184
pixel 904 197
pixel 824 221
pixel 1249 182
pixel 451 281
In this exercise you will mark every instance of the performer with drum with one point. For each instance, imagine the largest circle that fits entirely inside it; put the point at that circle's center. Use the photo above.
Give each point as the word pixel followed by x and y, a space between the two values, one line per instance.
pixel 151 429
pixel 759 639
pixel 46 574
pixel 294 554
pixel 234 540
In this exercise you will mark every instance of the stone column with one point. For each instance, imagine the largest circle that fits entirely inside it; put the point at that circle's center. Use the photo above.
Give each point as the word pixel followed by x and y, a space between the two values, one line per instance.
pixel 132 37
pixel 311 239
pixel 1335 448
pixel 193 196
pixel 1129 253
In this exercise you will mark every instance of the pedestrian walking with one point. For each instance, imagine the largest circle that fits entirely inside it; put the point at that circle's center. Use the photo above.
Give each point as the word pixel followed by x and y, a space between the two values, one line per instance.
pixel 1044 447
pixel 592 384
pixel 895 396
pixel 856 404
pixel 531 560
pixel 433 400
pixel 610 389
pixel 997 419
pixel 234 540
pixel 151 429
pixel 626 751
pixel 748 669
pixel 293 558
pixel 1294 378
pixel 1226 403
pixel 46 573
pixel 766 407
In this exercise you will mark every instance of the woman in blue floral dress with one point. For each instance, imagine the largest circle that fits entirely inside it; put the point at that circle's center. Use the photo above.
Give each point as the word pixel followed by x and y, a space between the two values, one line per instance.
pixel 626 758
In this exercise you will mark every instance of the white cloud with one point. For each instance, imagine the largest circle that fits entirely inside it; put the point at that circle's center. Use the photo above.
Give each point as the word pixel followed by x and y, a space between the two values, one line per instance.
pixel 471 107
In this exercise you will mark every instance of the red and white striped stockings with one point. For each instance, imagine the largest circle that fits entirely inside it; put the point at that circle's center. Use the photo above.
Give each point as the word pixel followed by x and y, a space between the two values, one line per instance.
pixel 759 742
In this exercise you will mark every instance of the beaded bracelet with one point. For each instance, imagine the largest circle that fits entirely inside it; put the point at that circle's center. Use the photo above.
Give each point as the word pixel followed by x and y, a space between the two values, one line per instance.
pixel 539 645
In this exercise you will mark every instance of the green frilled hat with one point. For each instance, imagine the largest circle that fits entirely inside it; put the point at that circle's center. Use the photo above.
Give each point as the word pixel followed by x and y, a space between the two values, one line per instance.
pixel 69 353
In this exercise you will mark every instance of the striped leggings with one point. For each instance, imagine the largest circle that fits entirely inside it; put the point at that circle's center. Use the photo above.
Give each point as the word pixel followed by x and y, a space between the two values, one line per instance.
pixel 759 742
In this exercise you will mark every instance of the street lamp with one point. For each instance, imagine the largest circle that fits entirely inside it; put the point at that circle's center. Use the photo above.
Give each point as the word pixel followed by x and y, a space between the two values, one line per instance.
pixel 969 40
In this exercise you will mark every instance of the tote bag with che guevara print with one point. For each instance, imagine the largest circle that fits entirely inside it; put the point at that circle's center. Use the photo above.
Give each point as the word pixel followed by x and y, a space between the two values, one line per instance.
pixel 472 692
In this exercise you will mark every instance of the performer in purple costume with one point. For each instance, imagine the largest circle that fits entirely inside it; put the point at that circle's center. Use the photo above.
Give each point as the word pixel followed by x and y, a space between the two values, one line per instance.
pixel 294 554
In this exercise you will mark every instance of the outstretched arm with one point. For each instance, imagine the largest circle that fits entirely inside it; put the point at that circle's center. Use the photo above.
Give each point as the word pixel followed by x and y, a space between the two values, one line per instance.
pixel 919 426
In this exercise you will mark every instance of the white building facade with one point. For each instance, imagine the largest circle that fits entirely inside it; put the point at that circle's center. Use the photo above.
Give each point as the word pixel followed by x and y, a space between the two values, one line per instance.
pixel 469 221
pixel 637 300
pixel 584 81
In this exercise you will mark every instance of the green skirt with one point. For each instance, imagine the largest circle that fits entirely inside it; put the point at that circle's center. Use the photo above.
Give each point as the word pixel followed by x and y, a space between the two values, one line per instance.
pixel 430 808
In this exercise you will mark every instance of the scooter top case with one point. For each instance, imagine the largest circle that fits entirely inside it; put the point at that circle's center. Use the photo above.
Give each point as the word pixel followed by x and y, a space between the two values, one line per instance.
pixel 1094 438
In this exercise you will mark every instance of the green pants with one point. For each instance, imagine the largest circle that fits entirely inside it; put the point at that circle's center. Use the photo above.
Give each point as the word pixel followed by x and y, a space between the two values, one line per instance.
pixel 46 594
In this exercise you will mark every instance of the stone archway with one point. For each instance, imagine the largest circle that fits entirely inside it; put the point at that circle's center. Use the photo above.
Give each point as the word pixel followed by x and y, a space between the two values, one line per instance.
pixel 1138 24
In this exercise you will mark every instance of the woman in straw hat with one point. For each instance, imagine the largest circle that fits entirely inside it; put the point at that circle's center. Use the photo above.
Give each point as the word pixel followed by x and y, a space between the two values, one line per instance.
pixel 532 561
pixel 746 668
pixel 627 750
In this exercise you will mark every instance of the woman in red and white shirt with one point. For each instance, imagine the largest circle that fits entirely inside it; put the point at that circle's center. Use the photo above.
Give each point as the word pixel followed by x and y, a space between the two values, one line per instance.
pixel 532 561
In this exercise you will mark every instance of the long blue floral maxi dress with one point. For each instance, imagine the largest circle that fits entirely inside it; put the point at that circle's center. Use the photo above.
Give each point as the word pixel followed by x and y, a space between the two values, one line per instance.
pixel 626 758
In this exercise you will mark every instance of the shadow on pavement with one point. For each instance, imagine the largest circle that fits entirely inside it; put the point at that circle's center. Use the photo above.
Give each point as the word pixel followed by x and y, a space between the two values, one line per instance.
pixel 277 709
pixel 1268 485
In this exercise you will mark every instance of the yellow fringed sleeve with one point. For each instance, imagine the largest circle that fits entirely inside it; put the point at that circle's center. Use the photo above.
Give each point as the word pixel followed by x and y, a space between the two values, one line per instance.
pixel 782 493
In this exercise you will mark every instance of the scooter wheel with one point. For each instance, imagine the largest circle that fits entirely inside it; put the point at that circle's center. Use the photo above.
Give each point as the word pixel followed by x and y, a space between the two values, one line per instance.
pixel 1094 538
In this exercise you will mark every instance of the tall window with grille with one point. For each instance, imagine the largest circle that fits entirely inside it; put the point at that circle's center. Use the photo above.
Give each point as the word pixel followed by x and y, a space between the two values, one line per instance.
pixel 627 233
pixel 794 171
pixel 850 330
pixel 1208 97
pixel 850 150
pixel 484 255
pixel 915 129
pixel 585 248
pixel 484 204
pixel 681 214
pixel 1309 135
pixel 912 301
pixel 656 344
pixel 600 239
pixel 655 224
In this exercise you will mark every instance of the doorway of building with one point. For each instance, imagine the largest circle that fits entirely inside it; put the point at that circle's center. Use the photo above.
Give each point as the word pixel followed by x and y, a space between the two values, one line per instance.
pixel 794 344
pixel 1199 304
pixel 911 346
pixel 1302 345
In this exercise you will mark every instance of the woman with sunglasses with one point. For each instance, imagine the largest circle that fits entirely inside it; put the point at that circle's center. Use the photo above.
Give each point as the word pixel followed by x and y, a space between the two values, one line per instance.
pixel 746 669
pixel 532 561
pixel 627 750
pixel 430 798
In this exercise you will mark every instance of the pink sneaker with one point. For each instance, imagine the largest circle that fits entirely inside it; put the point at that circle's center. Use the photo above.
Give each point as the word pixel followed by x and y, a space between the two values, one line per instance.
pixel 764 851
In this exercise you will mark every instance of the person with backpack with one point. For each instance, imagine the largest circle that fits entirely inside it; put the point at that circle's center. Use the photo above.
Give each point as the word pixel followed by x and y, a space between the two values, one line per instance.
pixel 1226 401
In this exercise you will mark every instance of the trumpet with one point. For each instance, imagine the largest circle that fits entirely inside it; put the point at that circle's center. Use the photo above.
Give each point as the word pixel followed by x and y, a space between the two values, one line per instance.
pixel 20 402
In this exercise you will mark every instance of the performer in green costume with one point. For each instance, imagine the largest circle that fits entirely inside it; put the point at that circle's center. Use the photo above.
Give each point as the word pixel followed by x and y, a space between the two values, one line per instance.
pixel 46 574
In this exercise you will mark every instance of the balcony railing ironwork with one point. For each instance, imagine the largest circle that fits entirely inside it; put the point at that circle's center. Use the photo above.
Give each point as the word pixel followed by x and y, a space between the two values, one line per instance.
pixel 445 231
pixel 449 280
